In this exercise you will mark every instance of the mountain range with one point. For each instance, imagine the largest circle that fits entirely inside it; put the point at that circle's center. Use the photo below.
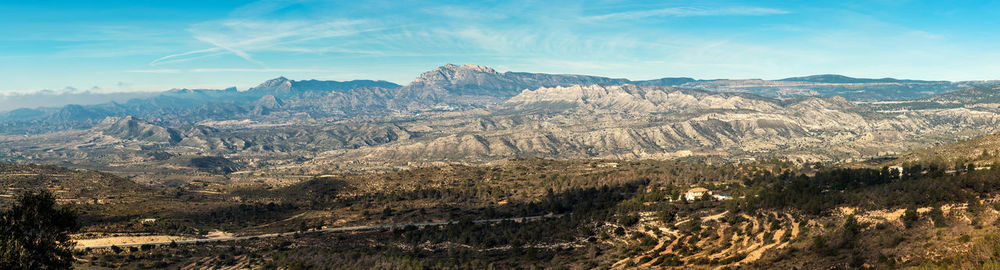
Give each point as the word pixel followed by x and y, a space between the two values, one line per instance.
pixel 472 113
pixel 448 86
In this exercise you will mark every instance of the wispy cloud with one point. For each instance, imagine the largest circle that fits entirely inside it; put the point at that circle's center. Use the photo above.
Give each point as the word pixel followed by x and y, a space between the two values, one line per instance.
pixel 187 56
pixel 464 13
pixel 68 90
pixel 154 71
pixel 219 70
pixel 235 50
pixel 397 40
pixel 688 12
pixel 242 37
pixel 211 70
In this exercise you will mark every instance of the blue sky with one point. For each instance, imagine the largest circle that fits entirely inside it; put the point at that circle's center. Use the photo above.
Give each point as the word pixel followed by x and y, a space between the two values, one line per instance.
pixel 157 45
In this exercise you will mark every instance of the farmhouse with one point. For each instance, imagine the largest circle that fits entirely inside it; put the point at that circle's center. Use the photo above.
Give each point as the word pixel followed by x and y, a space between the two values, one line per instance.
pixel 700 192
pixel 695 193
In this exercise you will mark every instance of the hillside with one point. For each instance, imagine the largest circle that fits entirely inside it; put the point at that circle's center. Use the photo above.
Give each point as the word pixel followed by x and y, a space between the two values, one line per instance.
pixel 69 186
pixel 989 94
pixel 594 214
pixel 981 151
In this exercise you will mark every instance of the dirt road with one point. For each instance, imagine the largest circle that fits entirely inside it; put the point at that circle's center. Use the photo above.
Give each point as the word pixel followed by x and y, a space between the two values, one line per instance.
pixel 338 229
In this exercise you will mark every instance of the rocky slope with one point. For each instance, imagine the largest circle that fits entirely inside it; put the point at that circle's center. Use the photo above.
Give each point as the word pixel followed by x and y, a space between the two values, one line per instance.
pixel 628 121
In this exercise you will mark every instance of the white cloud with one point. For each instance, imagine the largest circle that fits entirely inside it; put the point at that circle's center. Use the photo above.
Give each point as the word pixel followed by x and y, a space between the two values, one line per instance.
pixel 68 90
pixel 689 12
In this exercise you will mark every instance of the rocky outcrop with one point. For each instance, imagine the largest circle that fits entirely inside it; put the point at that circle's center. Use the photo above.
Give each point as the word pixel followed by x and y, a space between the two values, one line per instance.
pixel 279 85
pixel 130 128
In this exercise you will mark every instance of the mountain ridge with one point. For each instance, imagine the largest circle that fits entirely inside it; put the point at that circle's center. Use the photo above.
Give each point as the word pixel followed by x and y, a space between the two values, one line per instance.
pixel 478 80
pixel 836 78
pixel 282 85
pixel 449 87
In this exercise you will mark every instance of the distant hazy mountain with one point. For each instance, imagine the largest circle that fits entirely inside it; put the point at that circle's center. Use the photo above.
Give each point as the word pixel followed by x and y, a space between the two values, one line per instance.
pixel 282 86
pixel 449 87
pixel 442 118
pixel 666 81
pixel 971 95
pixel 833 78
pixel 188 106
pixel 477 80
pixel 55 99
pixel 835 85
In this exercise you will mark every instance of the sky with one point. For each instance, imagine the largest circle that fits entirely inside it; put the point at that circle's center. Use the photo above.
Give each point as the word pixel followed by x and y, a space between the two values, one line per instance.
pixel 114 46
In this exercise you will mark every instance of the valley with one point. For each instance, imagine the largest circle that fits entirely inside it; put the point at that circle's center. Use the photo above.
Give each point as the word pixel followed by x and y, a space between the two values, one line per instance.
pixel 321 127
pixel 608 135
pixel 581 214
pixel 467 167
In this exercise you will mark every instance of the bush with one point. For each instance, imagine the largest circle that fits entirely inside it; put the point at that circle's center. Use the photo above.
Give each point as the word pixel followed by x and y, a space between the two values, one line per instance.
pixel 628 220
pixel 938 217
pixel 910 217
pixel 34 233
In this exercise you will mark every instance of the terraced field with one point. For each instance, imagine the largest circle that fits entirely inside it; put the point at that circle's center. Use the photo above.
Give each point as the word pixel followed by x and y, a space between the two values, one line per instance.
pixel 714 241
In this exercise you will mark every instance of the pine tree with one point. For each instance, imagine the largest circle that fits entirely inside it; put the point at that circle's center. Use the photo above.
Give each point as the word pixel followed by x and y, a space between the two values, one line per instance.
pixel 34 233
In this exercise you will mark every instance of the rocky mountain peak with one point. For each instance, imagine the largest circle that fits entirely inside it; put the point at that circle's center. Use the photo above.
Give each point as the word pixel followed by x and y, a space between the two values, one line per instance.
pixel 467 68
pixel 452 74
pixel 277 84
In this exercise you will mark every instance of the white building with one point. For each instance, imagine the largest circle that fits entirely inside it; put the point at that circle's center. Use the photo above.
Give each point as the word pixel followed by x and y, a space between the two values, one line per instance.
pixel 695 193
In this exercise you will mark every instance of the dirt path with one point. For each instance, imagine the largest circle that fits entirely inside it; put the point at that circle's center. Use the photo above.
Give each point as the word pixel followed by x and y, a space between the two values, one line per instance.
pixel 123 240
pixel 715 217
pixel 36 174
pixel 139 241
pixel 283 220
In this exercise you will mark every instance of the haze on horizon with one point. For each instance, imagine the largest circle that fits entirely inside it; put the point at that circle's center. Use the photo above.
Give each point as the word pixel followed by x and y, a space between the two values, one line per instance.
pixel 107 46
